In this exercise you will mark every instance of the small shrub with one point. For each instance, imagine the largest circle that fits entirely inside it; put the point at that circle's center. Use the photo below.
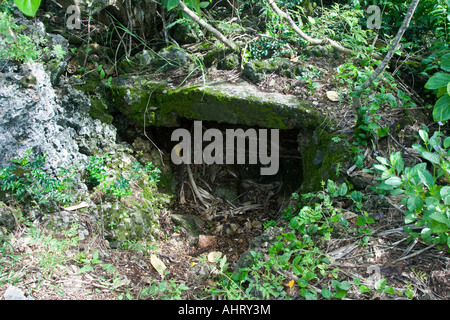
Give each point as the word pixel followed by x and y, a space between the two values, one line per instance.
pixel 426 199
pixel 27 181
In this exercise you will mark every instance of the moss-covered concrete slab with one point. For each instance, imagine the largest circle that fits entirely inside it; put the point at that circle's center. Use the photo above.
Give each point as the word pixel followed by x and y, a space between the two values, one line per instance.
pixel 154 103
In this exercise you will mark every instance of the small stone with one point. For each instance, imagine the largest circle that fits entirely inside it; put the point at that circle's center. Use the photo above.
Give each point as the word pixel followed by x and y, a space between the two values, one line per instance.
pixel 13 293
pixel 214 256
pixel 256 224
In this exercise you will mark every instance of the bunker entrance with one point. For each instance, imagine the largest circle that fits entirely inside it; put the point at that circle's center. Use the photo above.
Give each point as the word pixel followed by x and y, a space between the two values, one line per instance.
pixel 231 203
pixel 230 180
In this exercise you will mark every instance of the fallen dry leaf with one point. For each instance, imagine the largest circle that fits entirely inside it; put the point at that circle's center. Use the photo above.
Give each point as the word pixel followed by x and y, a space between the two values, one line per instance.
pixel 157 264
pixel 78 206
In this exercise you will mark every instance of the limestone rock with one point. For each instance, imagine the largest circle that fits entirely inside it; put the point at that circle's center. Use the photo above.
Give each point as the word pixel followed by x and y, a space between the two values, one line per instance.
pixel 154 103
pixel 13 293
pixel 191 224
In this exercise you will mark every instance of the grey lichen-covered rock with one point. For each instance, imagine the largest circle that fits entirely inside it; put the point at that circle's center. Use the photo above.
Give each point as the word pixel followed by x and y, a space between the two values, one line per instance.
pixel 29 120
pixel 144 57
pixel 229 63
pixel 51 122
pixel 170 58
pixel 14 293
pixel 129 220
pixel 253 73
pixel 191 224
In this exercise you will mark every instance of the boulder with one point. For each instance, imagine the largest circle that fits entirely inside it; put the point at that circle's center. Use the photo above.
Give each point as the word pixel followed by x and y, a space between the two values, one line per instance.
pixel 156 104
pixel 13 293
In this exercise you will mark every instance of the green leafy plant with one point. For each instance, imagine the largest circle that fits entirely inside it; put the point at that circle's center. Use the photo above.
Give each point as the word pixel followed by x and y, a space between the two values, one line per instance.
pixel 27 181
pixel 440 81
pixel 196 5
pixel 164 290
pixel 427 201
pixel 59 52
pixel 14 44
pixel 98 177
pixel 269 223
pixel 96 169
pixel 89 263
pixel 296 253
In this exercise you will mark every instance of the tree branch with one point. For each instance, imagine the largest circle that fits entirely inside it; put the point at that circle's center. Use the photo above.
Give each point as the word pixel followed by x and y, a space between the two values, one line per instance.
pixel 303 35
pixel 208 27
pixel 387 58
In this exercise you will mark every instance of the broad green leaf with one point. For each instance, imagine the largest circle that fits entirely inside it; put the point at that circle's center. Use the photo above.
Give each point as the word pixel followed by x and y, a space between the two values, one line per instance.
pixel 414 203
pixel 426 178
pixel 445 195
pixel 344 285
pixel 418 148
pixel 397 161
pixel 309 276
pixel 363 289
pixel 172 4
pixel 441 91
pixel 448 88
pixel 432 157
pixel 389 290
pixel 331 186
pixel 425 233
pixel 440 217
pixel 410 217
pixel 340 294
pixel 423 135
pixel 408 292
pixel 294 223
pixel 309 294
pixel 394 181
pixel 382 160
pixel 445 62
pixel 302 282
pixel 382 132
pixel 380 284
pixel 438 80
pixel 357 196
pixel 441 110
pixel 327 294
pixel 28 7
pixel 343 190
pixel 380 167
pixel 418 167
pixel 431 203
